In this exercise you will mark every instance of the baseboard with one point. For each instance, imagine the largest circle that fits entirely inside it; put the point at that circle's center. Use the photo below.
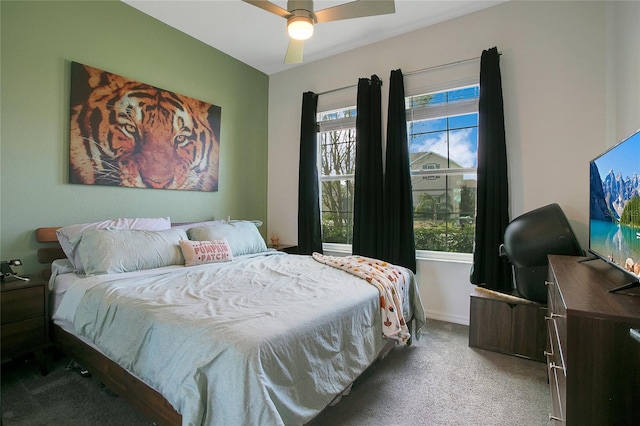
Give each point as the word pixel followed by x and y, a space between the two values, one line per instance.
pixel 439 316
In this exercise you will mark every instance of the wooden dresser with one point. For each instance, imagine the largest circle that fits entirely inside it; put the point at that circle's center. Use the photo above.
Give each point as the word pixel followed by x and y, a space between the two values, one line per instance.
pixel 593 361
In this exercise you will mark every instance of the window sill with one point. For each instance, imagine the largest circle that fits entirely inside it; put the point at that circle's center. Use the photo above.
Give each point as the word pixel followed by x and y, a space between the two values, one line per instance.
pixel 443 256
pixel 437 256
pixel 340 249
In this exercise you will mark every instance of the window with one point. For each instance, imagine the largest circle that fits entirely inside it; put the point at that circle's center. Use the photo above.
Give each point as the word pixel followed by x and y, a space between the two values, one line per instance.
pixel 337 136
pixel 430 166
pixel 442 130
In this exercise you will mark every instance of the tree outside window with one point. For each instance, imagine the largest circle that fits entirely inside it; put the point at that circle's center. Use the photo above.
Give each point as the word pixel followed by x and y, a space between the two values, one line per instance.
pixel 337 137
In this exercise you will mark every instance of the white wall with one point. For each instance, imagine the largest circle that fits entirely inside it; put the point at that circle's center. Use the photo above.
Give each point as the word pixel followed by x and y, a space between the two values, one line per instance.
pixel 623 69
pixel 557 107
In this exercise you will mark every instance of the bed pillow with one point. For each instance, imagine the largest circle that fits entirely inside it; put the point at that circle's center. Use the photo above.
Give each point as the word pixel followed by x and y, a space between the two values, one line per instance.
pixel 69 236
pixel 187 226
pixel 200 252
pixel 243 236
pixel 111 251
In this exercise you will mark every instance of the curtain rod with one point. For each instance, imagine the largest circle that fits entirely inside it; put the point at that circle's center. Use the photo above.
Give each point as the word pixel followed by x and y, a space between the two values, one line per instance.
pixel 450 64
pixel 435 67
pixel 337 90
pixel 342 88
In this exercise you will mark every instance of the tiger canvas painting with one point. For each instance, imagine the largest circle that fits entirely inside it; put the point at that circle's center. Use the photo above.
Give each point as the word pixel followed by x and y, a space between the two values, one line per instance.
pixel 130 134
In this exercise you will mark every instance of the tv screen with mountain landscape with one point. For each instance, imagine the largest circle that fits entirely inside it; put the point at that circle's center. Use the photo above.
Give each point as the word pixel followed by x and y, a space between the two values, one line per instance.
pixel 614 207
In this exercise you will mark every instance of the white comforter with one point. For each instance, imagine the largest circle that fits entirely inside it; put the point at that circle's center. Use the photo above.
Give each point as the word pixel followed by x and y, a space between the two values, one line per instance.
pixel 266 340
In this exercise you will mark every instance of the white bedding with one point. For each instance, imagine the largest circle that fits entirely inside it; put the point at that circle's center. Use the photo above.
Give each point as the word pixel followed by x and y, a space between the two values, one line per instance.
pixel 265 339
pixel 68 288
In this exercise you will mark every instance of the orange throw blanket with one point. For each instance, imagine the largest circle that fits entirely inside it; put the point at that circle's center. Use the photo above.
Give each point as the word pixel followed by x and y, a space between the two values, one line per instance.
pixel 390 280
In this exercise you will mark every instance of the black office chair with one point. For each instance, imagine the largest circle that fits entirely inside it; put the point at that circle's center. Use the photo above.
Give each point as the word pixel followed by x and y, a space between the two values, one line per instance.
pixel 528 239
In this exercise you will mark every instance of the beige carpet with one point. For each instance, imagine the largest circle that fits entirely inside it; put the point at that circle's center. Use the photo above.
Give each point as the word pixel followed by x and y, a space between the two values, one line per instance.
pixel 440 380
pixel 437 381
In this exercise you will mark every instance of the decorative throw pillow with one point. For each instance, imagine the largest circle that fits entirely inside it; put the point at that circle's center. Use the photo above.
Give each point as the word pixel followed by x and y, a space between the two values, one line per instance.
pixel 199 252
pixel 243 236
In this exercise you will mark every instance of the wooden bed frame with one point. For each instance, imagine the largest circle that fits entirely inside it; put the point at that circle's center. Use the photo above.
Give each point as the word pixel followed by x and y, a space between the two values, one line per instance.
pixel 142 397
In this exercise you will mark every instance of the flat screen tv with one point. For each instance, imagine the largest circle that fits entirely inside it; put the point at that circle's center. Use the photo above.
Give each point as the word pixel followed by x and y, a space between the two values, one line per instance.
pixel 614 208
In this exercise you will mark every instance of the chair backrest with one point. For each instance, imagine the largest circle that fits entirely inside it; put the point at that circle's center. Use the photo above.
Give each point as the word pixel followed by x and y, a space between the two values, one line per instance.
pixel 529 238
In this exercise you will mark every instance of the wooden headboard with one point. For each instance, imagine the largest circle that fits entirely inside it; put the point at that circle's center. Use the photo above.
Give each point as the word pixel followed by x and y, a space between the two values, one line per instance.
pixel 53 251
pixel 46 255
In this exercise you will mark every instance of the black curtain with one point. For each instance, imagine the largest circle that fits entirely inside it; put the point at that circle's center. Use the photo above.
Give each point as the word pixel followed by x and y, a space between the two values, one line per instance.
pixel 399 240
pixel 489 270
pixel 309 227
pixel 367 203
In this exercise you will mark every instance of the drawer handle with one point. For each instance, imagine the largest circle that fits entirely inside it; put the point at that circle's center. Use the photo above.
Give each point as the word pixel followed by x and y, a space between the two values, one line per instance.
pixel 553 366
pixel 553 316
pixel 552 417
pixel 549 282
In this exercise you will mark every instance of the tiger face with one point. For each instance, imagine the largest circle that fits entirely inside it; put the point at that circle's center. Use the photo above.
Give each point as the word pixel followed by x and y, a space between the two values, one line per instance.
pixel 135 135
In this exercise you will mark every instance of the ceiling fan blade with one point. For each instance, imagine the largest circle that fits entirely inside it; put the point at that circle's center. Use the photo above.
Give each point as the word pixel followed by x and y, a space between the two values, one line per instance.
pixel 269 7
pixel 356 9
pixel 294 52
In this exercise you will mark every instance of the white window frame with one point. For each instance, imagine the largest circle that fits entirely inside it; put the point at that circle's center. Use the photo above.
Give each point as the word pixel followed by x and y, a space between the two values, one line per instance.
pixel 441 111
pixel 327 126
pixel 459 108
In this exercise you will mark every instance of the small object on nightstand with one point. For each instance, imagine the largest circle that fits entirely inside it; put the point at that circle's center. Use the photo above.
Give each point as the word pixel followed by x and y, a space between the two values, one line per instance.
pixel 274 241
pixel 7 273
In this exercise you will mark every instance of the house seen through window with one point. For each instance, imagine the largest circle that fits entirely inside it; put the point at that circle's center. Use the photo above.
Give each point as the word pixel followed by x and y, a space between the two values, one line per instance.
pixel 442 130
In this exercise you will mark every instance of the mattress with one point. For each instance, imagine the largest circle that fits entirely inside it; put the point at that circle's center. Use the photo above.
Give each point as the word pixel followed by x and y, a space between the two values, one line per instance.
pixel 269 338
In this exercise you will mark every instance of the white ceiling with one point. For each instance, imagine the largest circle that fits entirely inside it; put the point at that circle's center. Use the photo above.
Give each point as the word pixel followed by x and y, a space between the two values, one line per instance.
pixel 259 38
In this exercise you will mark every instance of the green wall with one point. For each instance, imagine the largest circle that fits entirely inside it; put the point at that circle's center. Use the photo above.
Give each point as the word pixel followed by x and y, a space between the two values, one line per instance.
pixel 38 41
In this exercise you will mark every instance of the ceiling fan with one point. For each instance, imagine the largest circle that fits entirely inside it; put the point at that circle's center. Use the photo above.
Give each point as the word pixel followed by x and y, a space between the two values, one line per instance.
pixel 301 17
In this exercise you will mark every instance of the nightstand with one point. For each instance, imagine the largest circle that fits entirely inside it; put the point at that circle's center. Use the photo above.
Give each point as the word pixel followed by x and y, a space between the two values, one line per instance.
pixel 24 318
pixel 287 248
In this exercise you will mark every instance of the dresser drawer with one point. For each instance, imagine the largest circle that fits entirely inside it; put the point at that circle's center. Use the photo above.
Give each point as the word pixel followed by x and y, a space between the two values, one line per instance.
pixel 554 299
pixel 557 331
pixel 22 304
pixel 553 352
pixel 557 386
pixel 22 336
pixel 551 293
pixel 556 366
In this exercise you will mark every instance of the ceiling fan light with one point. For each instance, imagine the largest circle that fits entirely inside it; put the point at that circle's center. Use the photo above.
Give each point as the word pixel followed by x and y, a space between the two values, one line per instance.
pixel 300 27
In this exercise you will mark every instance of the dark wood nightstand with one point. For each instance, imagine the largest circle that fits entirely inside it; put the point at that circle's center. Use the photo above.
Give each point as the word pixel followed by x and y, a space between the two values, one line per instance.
pixel 24 316
pixel 287 248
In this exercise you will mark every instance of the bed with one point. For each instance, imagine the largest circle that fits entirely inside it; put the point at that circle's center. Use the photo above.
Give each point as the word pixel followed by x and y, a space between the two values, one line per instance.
pixel 202 324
